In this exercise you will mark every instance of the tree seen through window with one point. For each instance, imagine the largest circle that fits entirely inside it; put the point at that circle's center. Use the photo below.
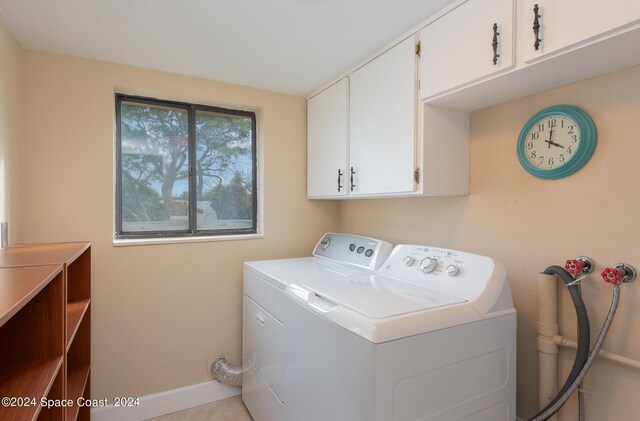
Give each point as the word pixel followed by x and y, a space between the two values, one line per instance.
pixel 185 169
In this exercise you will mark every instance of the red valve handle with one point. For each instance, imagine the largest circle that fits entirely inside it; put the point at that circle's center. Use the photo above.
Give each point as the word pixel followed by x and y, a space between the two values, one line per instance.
pixel 611 276
pixel 573 266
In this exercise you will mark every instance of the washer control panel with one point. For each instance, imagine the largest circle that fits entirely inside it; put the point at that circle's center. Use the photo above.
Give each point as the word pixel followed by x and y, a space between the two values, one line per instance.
pixel 430 260
pixel 355 250
pixel 454 272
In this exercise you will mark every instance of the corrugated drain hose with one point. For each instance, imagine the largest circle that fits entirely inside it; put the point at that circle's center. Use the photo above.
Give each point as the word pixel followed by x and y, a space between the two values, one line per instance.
pixel 227 373
pixel 583 339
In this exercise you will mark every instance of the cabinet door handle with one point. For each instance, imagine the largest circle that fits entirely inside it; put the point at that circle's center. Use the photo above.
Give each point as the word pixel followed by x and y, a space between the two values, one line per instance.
pixel 339 180
pixel 351 179
pixel 494 44
pixel 536 27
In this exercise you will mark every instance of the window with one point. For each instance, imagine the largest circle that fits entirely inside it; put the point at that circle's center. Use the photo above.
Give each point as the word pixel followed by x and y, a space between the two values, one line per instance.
pixel 183 169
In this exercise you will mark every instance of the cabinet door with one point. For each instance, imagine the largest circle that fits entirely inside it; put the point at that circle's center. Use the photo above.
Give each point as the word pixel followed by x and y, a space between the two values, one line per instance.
pixel 382 122
pixel 568 23
pixel 458 47
pixel 327 132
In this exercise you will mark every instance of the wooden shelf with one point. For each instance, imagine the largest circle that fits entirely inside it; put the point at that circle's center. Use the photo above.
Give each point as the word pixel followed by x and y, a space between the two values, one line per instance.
pixel 27 379
pixel 75 312
pixel 42 254
pixel 45 328
pixel 19 285
pixel 76 383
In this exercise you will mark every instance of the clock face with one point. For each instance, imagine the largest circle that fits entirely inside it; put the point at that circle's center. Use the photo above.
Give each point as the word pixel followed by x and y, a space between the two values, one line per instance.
pixel 556 142
pixel 552 142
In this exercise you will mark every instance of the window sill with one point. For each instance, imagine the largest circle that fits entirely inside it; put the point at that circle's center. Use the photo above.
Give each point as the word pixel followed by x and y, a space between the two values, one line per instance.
pixel 177 240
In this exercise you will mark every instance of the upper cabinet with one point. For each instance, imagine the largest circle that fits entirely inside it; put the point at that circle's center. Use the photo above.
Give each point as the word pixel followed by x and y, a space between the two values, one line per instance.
pixel 327 135
pixel 383 122
pixel 471 42
pixel 541 44
pixel 368 136
pixel 550 26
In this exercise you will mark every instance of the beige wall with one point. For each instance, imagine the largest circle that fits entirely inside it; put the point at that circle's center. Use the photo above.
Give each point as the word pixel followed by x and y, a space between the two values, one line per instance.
pixel 529 224
pixel 10 85
pixel 158 311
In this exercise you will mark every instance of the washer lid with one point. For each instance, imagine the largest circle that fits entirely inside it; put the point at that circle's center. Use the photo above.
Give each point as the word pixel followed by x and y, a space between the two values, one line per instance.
pixel 378 296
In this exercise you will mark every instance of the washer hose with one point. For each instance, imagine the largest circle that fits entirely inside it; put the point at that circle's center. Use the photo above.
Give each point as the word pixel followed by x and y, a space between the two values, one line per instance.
pixel 562 398
pixel 584 340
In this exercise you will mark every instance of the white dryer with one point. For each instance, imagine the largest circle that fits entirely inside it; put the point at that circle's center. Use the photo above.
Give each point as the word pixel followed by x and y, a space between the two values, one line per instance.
pixel 351 335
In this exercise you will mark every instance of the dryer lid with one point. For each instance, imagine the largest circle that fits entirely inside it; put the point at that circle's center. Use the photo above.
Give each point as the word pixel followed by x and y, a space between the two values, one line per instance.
pixel 379 296
pixel 283 272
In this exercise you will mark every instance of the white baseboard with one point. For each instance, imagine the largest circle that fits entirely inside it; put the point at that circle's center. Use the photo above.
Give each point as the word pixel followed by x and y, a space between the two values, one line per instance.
pixel 167 402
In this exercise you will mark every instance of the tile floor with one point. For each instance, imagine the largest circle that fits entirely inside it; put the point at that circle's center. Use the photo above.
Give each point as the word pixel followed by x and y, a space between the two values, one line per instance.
pixel 230 409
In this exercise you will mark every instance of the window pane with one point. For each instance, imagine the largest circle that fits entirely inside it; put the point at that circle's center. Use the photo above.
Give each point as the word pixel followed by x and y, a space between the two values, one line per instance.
pixel 224 171
pixel 155 164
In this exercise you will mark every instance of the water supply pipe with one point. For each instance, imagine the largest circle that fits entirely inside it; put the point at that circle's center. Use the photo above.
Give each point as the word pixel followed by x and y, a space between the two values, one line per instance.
pixel 547 347
pixel 548 341
pixel 611 356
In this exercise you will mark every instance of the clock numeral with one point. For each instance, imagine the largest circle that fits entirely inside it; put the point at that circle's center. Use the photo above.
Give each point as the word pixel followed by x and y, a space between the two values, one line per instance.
pixel 562 123
pixel 551 162
pixel 530 145
pixel 570 130
pixel 569 150
pixel 533 154
pixel 541 127
pixel 561 158
pixel 541 160
pixel 574 137
pixel 552 123
pixel 535 136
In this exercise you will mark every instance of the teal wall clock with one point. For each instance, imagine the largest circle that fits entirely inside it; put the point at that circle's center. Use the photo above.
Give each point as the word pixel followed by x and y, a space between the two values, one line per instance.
pixel 556 142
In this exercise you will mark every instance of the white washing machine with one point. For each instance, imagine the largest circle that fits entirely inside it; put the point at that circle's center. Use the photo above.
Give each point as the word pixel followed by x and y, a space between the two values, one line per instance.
pixel 357 334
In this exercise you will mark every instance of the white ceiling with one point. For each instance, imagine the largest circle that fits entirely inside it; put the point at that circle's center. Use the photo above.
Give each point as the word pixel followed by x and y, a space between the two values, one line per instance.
pixel 290 46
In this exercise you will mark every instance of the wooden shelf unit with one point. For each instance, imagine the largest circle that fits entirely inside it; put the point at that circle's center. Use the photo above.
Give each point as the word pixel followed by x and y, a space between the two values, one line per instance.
pixel 45 328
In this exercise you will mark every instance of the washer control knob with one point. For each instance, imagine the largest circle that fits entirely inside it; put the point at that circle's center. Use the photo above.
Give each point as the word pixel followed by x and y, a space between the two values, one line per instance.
pixel 428 264
pixel 452 270
pixel 352 247
pixel 326 242
pixel 368 253
pixel 408 261
pixel 360 250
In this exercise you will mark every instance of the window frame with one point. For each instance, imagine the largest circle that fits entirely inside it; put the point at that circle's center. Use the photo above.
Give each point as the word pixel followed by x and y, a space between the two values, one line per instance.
pixel 191 231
